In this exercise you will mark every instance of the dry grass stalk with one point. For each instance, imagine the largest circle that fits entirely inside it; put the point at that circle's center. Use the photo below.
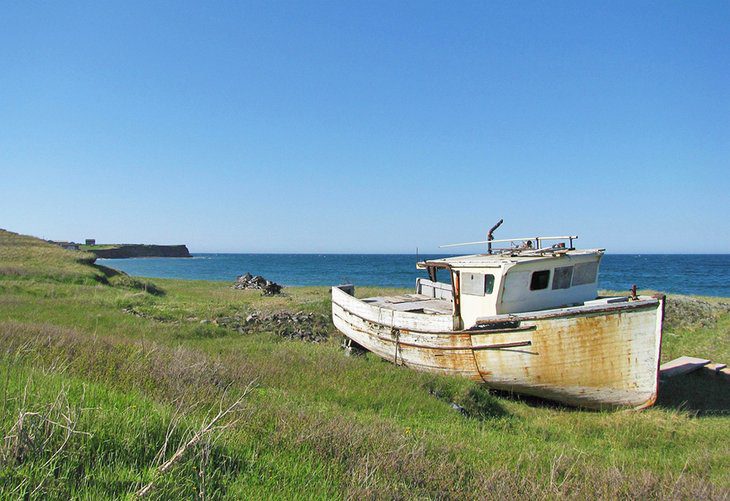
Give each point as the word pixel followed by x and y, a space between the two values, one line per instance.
pixel 204 431
pixel 34 431
pixel 204 460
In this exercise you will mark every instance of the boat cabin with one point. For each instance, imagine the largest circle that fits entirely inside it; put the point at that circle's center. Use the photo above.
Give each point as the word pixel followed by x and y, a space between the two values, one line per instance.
pixel 513 281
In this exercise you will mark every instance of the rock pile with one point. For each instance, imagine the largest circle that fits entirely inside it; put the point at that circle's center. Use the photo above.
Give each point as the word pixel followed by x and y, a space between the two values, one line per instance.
pixel 301 326
pixel 257 282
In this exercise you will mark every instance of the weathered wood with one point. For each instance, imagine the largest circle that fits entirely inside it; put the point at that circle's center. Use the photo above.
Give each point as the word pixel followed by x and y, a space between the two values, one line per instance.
pixel 392 318
pixel 338 309
pixel 585 360
pixel 714 368
pixel 681 365
pixel 436 290
pixel 437 306
pixel 590 357
pixel 644 302
pixel 404 298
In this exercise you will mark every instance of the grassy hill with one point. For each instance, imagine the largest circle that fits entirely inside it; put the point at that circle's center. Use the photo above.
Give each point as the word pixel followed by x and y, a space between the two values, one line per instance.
pixel 105 377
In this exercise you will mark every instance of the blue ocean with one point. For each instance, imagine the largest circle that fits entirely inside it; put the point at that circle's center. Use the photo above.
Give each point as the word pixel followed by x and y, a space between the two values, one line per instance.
pixel 707 275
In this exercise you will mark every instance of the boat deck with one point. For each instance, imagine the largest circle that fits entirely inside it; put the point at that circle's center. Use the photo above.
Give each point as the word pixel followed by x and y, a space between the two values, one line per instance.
pixel 413 303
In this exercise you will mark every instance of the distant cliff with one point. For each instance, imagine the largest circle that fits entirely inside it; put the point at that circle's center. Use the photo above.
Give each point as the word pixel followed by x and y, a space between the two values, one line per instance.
pixel 136 250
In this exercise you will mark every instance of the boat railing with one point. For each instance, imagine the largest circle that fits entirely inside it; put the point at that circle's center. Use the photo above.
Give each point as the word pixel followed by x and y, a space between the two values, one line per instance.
pixel 525 245
pixel 436 290
pixel 346 288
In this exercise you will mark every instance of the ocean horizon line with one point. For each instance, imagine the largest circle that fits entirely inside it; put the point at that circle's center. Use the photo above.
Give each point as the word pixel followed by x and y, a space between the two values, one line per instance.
pixel 277 253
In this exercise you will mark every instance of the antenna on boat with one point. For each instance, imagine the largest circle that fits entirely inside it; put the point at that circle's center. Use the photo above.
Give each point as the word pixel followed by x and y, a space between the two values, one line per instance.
pixel 490 235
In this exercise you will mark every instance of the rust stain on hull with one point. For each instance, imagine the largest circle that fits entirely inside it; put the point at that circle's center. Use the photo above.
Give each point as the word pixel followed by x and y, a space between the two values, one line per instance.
pixel 598 359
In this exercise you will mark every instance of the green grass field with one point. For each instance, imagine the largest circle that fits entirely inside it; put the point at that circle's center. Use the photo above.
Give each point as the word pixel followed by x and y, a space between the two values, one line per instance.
pixel 85 247
pixel 106 377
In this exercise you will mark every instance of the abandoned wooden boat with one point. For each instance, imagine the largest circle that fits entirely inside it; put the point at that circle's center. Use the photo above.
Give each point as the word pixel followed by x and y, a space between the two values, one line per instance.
pixel 525 319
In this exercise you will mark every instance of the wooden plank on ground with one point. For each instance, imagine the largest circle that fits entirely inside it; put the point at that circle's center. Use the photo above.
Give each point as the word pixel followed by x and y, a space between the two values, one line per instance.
pixel 681 365
pixel 714 368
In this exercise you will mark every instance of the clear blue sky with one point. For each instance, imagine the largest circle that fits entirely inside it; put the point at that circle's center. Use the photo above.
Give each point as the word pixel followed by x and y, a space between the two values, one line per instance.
pixel 368 126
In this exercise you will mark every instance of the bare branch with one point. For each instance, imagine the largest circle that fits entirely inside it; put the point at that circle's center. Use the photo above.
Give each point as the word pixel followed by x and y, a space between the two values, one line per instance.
pixel 199 435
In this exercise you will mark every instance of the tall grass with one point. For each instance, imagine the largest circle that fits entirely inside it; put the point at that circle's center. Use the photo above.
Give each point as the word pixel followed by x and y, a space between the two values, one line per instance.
pixel 109 380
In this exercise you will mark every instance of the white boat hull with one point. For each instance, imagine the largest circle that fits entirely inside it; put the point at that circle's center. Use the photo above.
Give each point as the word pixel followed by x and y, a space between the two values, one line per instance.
pixel 593 356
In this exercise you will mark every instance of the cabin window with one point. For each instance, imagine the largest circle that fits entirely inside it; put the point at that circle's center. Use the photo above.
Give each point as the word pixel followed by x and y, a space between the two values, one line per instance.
pixel 477 284
pixel 585 273
pixel 562 277
pixel 539 280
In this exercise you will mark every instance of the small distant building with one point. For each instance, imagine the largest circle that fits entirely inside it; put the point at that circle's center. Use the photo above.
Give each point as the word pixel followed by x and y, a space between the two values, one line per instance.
pixel 67 245
pixel 90 241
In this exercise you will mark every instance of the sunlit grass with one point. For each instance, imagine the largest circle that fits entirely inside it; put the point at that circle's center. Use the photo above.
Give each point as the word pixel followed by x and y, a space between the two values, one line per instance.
pixel 317 423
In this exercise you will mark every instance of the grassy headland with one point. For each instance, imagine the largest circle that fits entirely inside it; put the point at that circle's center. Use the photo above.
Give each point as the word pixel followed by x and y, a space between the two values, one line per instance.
pixel 104 377
pixel 123 251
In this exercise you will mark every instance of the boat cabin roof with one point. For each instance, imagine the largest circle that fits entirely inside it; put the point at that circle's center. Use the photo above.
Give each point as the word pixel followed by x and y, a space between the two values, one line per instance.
pixel 509 257
pixel 531 274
